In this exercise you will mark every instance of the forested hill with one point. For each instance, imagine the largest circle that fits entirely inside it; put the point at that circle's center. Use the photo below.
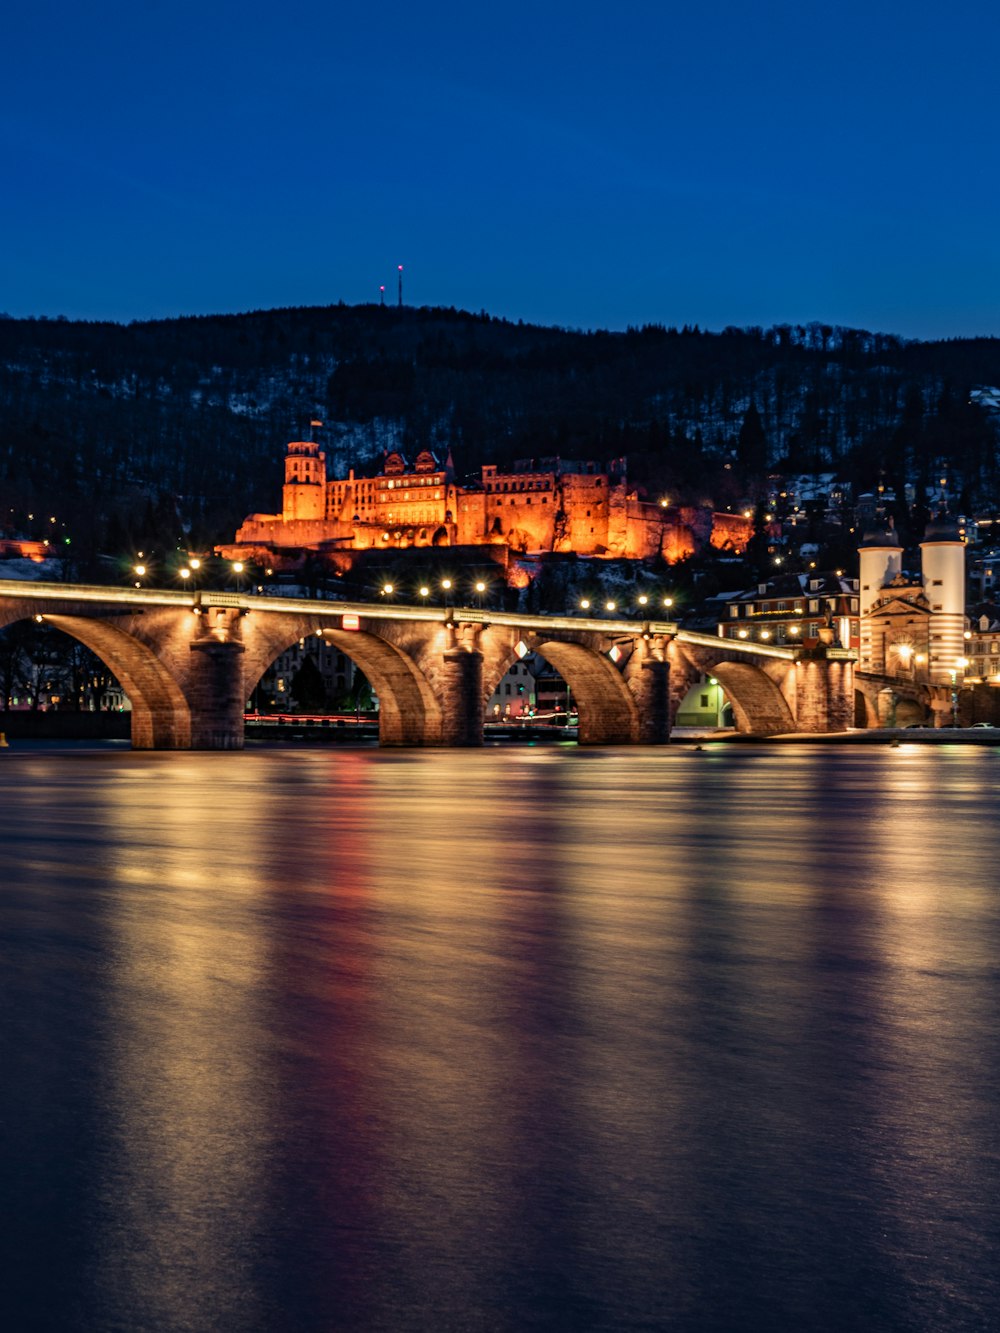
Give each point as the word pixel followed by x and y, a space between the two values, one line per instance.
pixel 192 414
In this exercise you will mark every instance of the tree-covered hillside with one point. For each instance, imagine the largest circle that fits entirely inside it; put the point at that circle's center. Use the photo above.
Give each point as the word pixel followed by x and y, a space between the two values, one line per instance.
pixel 184 421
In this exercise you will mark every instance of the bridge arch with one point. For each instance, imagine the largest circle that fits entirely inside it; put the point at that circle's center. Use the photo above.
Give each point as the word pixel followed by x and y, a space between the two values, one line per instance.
pixel 606 707
pixel 161 715
pixel 757 702
pixel 409 713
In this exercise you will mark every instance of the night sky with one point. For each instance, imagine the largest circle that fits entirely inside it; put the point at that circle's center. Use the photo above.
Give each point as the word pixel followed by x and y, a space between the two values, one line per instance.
pixel 590 166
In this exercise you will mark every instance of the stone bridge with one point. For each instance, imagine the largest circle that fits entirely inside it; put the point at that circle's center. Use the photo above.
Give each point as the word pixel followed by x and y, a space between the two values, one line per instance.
pixel 188 662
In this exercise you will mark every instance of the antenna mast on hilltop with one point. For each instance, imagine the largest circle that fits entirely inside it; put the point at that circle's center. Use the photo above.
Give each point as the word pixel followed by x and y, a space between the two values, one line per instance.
pixel 381 294
pixel 400 286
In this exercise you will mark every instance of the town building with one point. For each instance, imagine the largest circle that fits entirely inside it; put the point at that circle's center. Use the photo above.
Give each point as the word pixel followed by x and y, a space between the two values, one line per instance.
pixel 982 644
pixel 796 609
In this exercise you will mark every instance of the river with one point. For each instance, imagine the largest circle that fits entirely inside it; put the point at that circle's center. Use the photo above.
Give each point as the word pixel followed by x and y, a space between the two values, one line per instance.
pixel 530 1038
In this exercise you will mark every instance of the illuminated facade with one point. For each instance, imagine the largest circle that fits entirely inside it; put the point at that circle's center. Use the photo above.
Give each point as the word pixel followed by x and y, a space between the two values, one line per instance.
pixel 544 505
pixel 796 610
pixel 913 626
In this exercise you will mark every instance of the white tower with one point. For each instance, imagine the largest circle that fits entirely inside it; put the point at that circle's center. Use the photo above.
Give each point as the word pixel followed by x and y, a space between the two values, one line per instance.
pixel 880 560
pixel 942 562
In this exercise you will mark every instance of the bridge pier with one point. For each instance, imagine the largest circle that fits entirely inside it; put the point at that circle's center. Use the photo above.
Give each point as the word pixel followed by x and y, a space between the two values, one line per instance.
pixel 463 707
pixel 650 686
pixel 216 694
pixel 824 694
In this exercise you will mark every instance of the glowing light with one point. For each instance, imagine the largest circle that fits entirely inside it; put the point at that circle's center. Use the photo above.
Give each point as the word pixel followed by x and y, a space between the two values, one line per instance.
pixel 615 653
pixel 480 586
pixel 795 629
pixel 611 606
pixel 765 634
pixel 196 564
pixel 643 599
pixel 388 589
pixel 741 634
pixel 237 566
pixel 668 601
pixel 446 584
pixel 584 603
pixel 140 570
pixel 424 590
pixel 185 573
pixel 350 621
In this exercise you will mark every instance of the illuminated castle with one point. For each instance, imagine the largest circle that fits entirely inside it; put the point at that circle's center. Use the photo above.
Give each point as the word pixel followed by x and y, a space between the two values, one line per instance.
pixel 545 505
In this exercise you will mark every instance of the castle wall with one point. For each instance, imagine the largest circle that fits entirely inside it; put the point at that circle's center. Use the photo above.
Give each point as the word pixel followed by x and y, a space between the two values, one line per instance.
pixel 731 531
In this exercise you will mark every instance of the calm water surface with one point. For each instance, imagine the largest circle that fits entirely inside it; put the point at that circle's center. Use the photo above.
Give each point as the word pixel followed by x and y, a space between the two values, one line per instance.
pixel 513 1039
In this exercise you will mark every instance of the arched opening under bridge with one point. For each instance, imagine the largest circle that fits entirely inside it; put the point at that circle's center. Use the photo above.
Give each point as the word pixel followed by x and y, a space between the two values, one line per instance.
pixel 161 716
pixel 567 681
pixel 408 712
pixel 759 707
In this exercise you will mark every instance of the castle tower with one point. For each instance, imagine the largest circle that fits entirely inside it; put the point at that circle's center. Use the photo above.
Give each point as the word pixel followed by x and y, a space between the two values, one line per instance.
pixel 304 493
pixel 942 557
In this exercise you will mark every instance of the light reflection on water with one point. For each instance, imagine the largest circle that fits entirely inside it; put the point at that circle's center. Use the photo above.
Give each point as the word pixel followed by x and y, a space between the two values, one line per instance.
pixel 542 1038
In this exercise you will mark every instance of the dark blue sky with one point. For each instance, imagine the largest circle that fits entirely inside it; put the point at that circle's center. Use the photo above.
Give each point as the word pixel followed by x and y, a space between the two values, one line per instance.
pixel 727 163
